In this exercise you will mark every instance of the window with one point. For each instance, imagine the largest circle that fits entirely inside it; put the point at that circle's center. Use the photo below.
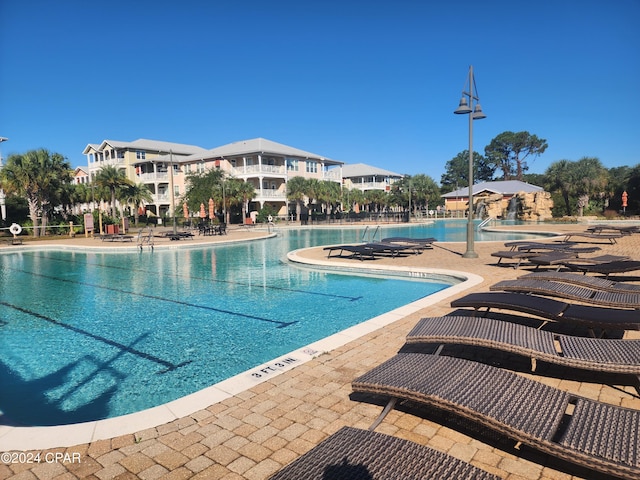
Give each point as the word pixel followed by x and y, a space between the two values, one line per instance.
pixel 140 155
pixel 312 167
pixel 292 164
pixel 176 190
pixel 120 153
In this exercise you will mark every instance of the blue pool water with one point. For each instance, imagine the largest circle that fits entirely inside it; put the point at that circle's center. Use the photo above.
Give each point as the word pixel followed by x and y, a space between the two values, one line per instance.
pixel 87 335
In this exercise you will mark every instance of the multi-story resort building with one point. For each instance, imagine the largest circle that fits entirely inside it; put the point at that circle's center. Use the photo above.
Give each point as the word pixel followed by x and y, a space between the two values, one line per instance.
pixel 365 177
pixel 164 166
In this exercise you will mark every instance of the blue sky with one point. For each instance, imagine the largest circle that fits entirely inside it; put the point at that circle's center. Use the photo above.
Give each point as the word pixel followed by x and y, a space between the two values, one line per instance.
pixel 353 80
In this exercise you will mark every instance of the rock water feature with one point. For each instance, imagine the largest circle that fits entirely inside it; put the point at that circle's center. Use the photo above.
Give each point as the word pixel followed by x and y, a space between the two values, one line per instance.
pixel 535 206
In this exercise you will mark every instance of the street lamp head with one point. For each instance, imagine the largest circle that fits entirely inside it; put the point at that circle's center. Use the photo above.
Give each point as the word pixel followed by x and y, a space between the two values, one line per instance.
pixel 463 108
pixel 478 114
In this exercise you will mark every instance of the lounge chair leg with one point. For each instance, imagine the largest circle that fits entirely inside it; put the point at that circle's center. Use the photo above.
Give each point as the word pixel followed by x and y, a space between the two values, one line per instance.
pixel 534 364
pixel 383 414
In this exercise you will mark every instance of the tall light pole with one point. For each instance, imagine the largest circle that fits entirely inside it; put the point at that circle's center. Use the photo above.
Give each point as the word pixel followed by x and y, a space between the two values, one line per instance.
pixel 474 110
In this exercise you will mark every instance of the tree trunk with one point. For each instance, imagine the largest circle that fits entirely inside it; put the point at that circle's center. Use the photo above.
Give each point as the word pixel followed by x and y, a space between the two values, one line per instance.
pixel 33 214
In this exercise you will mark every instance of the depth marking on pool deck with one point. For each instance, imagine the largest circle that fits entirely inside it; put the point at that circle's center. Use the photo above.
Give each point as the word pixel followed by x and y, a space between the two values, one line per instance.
pixel 278 366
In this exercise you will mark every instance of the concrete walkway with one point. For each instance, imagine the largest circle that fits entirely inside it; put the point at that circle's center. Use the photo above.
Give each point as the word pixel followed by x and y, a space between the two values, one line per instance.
pixel 253 433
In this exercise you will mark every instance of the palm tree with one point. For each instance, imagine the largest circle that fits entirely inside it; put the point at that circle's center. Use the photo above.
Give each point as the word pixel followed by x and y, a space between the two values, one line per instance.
pixel 112 179
pixel 136 195
pixel 38 176
pixel 296 191
pixel 560 179
pixel 313 190
pixel 245 191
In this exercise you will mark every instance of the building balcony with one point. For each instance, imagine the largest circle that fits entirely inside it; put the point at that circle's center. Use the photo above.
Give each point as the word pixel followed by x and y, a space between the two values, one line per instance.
pixel 153 177
pixel 271 195
pixel 253 170
pixel 371 186
pixel 108 161
pixel 161 198
pixel 333 175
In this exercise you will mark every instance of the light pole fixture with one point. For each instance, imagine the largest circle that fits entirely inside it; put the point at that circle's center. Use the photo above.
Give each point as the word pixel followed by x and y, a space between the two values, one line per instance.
pixel 474 110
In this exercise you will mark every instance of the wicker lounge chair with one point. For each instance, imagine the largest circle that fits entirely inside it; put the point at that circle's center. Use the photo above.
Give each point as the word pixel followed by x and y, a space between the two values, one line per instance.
pixel 598 436
pixel 354 251
pixel 595 354
pixel 393 249
pixel 553 258
pixel 606 269
pixel 585 281
pixel 622 229
pixel 609 237
pixel 422 243
pixel 570 291
pixel 552 309
pixel 549 253
pixel 355 454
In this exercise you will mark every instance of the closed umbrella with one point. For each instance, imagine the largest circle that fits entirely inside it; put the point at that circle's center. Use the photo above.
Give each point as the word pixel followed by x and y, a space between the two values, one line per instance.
pixel 211 212
pixel 202 213
pixel 185 210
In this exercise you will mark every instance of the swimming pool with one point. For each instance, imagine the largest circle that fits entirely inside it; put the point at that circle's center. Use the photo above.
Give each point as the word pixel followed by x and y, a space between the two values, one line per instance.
pixel 86 335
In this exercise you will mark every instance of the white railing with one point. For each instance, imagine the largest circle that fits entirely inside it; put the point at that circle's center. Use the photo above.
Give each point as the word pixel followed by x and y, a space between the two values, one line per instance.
pixel 332 175
pixel 255 169
pixel 370 185
pixel 272 194
pixel 153 176
pixel 160 197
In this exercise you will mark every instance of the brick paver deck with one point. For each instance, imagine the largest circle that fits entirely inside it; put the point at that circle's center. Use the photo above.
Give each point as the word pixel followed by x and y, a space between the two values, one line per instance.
pixel 253 434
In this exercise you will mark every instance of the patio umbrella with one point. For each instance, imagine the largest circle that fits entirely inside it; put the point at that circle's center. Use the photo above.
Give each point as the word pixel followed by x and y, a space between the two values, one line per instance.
pixel 185 210
pixel 211 212
pixel 202 214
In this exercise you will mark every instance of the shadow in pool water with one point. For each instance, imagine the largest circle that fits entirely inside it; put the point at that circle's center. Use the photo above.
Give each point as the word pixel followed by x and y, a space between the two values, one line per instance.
pixel 46 400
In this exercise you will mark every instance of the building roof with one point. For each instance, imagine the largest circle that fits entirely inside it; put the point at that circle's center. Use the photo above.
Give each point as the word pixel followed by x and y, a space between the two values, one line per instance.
pixel 364 170
pixel 505 187
pixel 262 145
pixel 147 145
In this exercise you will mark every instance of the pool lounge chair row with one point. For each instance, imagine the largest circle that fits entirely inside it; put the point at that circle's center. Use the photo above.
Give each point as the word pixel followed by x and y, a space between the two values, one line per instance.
pixel 545 253
pixel 592 434
pixel 392 246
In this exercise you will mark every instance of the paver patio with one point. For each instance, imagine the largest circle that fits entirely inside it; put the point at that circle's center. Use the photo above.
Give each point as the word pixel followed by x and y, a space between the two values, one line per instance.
pixel 253 434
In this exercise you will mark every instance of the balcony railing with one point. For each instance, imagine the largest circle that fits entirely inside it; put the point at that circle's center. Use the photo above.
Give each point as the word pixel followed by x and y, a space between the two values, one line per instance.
pixel 160 197
pixel 257 169
pixel 332 175
pixel 153 176
pixel 271 194
pixel 370 185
